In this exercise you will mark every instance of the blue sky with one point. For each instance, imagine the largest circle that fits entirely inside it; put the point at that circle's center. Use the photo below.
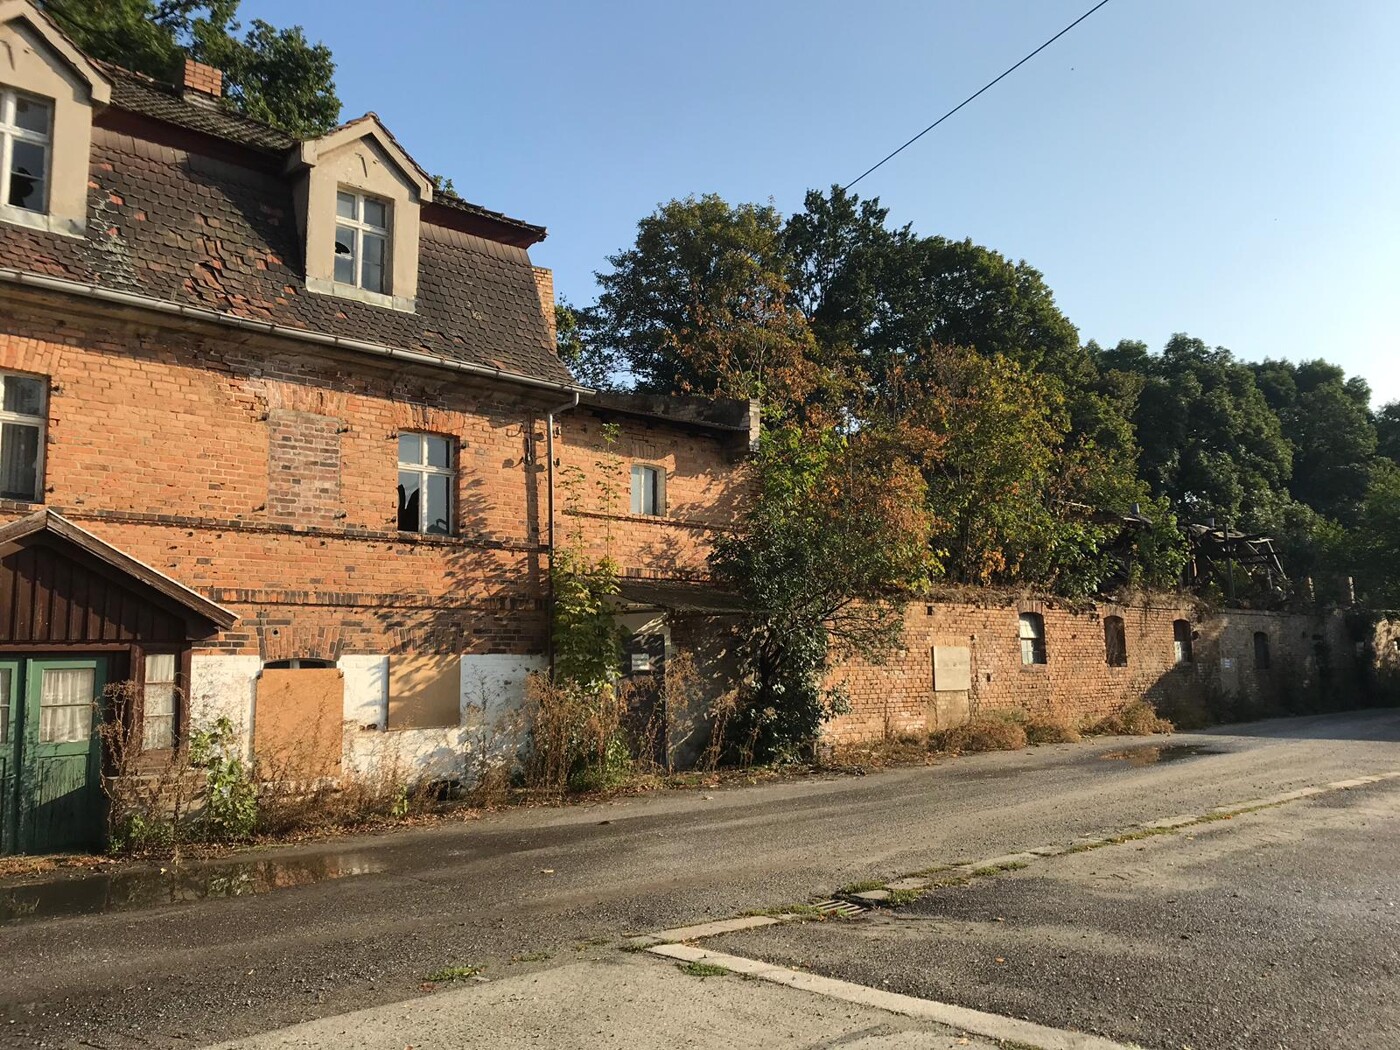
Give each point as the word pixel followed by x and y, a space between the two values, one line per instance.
pixel 1228 168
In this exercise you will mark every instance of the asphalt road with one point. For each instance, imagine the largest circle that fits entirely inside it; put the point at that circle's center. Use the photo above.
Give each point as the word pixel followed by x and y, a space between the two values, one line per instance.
pixel 561 885
pixel 1276 930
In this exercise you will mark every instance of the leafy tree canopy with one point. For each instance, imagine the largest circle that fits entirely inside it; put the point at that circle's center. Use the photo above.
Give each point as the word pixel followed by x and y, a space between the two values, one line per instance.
pixel 270 74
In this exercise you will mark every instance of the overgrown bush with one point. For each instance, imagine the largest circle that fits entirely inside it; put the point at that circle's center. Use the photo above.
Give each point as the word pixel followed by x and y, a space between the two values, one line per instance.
pixel 1138 718
pixel 1049 727
pixel 984 733
pixel 576 739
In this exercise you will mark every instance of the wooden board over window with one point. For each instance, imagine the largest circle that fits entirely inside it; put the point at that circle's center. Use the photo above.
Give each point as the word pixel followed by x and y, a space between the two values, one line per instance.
pixel 425 691
pixel 297 724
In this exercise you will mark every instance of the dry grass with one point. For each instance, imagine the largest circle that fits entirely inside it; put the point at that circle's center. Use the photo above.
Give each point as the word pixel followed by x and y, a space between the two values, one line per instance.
pixel 1050 727
pixel 1136 719
pixel 984 733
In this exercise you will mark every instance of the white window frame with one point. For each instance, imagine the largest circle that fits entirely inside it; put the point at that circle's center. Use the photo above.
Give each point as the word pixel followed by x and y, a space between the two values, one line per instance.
pixel 424 469
pixel 155 735
pixel 359 228
pixel 638 500
pixel 1031 629
pixel 40 421
pixel 10 132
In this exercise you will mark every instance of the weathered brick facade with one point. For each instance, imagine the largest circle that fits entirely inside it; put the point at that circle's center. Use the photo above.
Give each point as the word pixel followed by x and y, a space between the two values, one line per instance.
pixel 1076 680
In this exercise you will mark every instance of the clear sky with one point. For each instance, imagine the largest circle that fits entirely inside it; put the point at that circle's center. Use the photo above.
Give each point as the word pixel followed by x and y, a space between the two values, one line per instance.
pixel 1227 168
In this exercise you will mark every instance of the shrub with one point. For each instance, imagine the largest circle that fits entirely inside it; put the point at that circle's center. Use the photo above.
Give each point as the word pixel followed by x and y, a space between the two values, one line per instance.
pixel 1138 718
pixel 1049 727
pixel 985 733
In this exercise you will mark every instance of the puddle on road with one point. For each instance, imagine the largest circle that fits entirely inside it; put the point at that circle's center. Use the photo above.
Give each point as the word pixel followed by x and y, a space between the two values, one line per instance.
pixel 1155 754
pixel 121 891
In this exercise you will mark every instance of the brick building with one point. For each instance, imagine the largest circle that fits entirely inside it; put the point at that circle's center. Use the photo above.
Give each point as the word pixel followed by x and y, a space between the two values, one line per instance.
pixel 276 439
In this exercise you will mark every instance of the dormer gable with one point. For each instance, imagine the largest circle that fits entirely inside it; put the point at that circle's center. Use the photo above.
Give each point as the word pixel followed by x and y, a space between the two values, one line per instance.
pixel 48 90
pixel 359 199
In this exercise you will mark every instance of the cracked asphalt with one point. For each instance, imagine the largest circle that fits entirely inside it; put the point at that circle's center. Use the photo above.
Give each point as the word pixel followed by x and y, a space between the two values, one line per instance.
pixel 559 886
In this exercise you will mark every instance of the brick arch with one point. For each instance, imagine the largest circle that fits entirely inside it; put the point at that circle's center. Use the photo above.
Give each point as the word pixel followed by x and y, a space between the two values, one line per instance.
pixel 280 640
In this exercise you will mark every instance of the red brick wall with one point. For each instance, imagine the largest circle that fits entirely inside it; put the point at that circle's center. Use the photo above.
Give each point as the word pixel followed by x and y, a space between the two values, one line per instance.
pixel 705 487
pixel 264 474
pixel 1076 679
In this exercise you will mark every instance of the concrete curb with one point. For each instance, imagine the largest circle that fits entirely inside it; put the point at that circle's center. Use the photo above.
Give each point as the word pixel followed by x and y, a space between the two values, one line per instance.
pixel 993 1026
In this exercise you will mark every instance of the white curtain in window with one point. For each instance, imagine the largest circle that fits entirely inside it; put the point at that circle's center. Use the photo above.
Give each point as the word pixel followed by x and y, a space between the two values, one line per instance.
pixel 65 705
pixel 158 704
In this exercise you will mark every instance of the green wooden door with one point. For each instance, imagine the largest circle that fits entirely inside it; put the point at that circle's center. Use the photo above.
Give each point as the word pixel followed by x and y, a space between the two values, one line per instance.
pixel 11 710
pixel 58 790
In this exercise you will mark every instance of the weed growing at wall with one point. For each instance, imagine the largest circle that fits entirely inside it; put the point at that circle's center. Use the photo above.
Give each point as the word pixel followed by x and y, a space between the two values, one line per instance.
pixel 230 812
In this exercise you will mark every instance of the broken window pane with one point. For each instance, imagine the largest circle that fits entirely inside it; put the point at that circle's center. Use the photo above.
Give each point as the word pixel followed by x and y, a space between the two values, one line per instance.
pixel 344 255
pixel 27 176
pixel 438 519
pixel 409 484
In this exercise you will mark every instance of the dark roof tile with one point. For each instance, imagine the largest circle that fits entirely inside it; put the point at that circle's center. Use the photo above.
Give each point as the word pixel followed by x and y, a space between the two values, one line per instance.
pixel 210 233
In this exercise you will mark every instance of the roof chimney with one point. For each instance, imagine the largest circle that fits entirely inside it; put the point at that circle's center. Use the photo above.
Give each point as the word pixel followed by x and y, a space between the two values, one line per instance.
pixel 201 83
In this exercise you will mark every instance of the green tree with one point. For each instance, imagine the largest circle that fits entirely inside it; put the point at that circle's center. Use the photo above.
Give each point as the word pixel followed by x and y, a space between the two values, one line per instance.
pixel 270 74
pixel 700 304
pixel 1374 549
pixel 1327 421
pixel 827 552
pixel 1210 442
pixel 1388 432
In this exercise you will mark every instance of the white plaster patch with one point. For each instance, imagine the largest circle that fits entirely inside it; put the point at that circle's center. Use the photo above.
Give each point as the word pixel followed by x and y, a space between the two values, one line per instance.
pixel 489 727
pixel 224 686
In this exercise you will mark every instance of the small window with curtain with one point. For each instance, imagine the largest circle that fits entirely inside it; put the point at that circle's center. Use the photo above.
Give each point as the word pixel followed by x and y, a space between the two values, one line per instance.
pixel 23 418
pixel 1115 642
pixel 426 477
pixel 648 490
pixel 1032 638
pixel 361 241
pixel 26 140
pixel 158 702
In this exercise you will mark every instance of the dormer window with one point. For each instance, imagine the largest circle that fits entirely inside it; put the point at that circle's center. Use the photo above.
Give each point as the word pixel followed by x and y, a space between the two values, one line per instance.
pixel 26 138
pixel 361 241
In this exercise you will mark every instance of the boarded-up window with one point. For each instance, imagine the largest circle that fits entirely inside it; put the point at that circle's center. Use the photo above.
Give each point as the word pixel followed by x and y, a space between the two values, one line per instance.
pixel 1181 641
pixel 425 691
pixel 1115 641
pixel 298 724
pixel 1032 638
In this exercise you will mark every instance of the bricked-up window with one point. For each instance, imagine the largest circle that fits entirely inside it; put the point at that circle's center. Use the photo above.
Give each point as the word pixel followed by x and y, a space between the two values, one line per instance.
pixel 1261 651
pixel 1032 638
pixel 426 480
pixel 158 702
pixel 22 422
pixel 648 490
pixel 1181 641
pixel 26 136
pixel 1115 641
pixel 361 241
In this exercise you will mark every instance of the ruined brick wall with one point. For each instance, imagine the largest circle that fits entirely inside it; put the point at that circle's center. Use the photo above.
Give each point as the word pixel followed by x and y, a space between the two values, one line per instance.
pixel 704 491
pixel 1076 679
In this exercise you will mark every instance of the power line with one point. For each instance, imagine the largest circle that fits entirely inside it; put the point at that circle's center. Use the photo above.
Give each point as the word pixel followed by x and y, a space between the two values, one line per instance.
pixel 984 87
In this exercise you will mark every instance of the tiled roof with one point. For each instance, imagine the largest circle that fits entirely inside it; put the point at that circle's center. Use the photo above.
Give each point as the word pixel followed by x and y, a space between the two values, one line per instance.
pixel 140 94
pixel 191 229
pixel 150 98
